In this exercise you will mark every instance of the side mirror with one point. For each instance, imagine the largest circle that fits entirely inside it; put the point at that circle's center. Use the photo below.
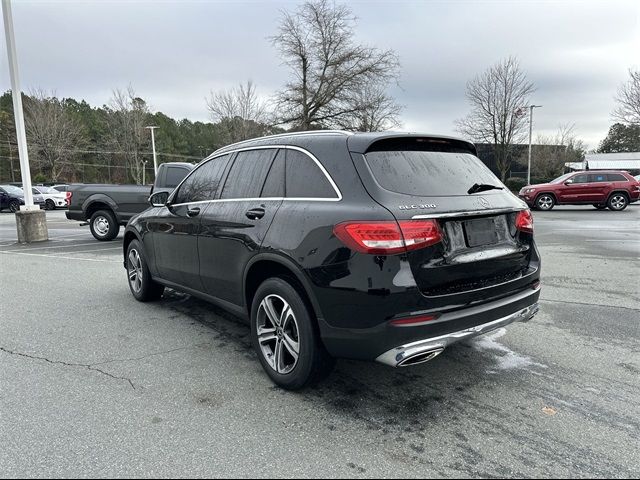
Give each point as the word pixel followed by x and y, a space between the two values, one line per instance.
pixel 568 182
pixel 159 199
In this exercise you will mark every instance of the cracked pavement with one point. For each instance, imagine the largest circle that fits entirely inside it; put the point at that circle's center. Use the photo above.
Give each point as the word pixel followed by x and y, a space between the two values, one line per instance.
pixel 94 384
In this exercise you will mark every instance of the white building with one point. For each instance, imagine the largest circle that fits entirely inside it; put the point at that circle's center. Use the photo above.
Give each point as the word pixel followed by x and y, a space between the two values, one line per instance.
pixel 608 161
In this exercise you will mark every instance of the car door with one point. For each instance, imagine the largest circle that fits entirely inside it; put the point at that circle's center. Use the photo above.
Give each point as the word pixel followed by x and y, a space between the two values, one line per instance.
pixel 234 226
pixel 175 229
pixel 574 191
pixel 599 187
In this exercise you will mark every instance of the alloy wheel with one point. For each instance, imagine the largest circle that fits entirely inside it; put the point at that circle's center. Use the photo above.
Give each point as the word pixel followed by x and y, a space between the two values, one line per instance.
pixel 618 202
pixel 134 269
pixel 545 202
pixel 278 334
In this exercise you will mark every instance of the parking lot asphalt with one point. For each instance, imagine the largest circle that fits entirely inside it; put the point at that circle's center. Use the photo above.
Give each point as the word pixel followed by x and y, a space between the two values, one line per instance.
pixel 93 383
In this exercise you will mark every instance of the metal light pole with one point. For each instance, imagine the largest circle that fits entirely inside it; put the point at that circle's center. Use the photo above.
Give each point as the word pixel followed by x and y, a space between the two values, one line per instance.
pixel 531 107
pixel 17 107
pixel 153 148
pixel 31 222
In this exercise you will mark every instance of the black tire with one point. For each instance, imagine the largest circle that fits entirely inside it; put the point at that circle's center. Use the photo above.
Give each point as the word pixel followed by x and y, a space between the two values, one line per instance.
pixel 104 226
pixel 617 202
pixel 313 362
pixel 545 202
pixel 49 205
pixel 599 206
pixel 14 206
pixel 142 286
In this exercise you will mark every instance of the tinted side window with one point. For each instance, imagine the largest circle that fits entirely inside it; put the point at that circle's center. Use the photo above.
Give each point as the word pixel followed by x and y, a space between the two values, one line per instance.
pixel 247 174
pixel 616 177
pixel 175 176
pixel 274 184
pixel 597 177
pixel 304 179
pixel 203 183
pixel 580 179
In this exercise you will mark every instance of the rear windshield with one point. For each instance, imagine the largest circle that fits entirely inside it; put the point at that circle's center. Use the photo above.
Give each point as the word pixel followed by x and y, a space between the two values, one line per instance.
pixel 428 173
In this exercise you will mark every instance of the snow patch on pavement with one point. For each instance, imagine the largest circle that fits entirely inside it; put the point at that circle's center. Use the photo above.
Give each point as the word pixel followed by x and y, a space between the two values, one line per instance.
pixel 506 359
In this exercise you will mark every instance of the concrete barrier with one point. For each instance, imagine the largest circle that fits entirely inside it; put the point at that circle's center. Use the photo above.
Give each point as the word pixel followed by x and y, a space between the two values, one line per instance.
pixel 32 226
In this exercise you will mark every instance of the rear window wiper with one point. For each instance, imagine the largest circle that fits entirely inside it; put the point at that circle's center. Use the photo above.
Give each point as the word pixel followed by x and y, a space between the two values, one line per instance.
pixel 483 187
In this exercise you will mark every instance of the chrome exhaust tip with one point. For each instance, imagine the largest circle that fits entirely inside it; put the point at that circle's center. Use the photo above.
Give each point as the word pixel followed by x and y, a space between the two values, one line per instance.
pixel 421 357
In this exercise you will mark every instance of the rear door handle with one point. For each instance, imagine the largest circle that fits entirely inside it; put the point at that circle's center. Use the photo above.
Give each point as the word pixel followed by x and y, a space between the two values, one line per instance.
pixel 193 212
pixel 255 213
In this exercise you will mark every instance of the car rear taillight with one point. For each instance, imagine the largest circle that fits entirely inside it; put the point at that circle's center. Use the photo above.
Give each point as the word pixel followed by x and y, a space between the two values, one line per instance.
pixel 524 221
pixel 388 237
pixel 69 195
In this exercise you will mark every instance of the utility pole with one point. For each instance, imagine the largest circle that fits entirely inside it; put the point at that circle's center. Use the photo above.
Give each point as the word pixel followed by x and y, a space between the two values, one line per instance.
pixel 531 107
pixel 153 148
pixel 31 222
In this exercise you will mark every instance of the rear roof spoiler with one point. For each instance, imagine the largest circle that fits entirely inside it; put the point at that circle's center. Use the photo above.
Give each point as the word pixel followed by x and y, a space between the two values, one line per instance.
pixel 362 142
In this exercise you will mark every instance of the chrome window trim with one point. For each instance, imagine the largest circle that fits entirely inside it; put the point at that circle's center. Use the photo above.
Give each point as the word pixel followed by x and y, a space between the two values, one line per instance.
pixel 290 134
pixel 263 147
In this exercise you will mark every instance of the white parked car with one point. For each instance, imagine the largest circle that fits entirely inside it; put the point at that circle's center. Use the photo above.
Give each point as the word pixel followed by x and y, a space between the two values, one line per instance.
pixel 53 198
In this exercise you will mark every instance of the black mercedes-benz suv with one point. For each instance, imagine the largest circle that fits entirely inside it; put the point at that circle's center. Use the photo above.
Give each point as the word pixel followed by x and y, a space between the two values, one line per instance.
pixel 381 246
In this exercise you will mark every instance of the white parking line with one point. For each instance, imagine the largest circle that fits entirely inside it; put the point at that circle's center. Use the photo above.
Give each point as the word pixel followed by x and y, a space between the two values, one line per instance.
pixel 60 257
pixel 58 246
pixel 96 250
pixel 624 240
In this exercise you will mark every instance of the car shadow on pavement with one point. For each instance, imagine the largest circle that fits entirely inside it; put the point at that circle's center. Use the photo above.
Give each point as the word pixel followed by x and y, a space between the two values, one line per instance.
pixel 386 399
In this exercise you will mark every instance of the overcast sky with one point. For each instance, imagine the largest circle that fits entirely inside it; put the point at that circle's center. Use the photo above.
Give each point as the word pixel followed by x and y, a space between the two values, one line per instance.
pixel 174 52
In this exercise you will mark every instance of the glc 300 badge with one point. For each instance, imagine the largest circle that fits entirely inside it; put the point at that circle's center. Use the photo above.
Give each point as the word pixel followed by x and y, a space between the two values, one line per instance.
pixel 422 206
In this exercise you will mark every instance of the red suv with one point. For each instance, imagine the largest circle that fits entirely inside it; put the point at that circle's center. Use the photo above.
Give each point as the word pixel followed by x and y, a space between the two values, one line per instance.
pixel 602 189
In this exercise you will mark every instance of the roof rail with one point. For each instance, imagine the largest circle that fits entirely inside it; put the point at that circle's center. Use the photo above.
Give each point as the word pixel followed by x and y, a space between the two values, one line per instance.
pixel 289 134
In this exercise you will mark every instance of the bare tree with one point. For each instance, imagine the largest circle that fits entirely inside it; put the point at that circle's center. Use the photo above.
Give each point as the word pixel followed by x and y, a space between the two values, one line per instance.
pixel 374 111
pixel 328 67
pixel 127 119
pixel 628 99
pixel 551 152
pixel 496 98
pixel 240 112
pixel 52 132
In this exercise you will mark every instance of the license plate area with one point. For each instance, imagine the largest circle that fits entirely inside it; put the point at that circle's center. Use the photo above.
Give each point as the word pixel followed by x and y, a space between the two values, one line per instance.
pixel 480 232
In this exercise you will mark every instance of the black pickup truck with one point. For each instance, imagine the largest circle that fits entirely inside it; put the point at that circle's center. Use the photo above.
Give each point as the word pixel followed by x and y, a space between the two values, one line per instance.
pixel 107 207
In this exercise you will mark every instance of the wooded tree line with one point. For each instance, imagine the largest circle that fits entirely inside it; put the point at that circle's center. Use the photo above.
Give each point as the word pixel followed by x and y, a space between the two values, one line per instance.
pixel 69 140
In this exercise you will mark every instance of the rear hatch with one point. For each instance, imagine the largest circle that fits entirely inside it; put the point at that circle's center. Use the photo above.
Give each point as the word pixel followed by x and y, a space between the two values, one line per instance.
pixel 482 250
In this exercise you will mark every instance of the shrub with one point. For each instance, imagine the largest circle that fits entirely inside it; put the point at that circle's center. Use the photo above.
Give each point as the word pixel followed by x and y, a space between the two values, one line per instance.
pixel 515 183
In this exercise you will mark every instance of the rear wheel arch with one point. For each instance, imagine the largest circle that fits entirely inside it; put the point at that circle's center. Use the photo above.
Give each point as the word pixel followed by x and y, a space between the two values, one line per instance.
pixel 268 266
pixel 93 207
pixel 621 192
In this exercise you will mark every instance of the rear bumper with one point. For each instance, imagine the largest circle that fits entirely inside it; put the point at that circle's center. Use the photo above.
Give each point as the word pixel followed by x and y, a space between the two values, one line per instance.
pixel 385 342
pixel 426 349
pixel 76 215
